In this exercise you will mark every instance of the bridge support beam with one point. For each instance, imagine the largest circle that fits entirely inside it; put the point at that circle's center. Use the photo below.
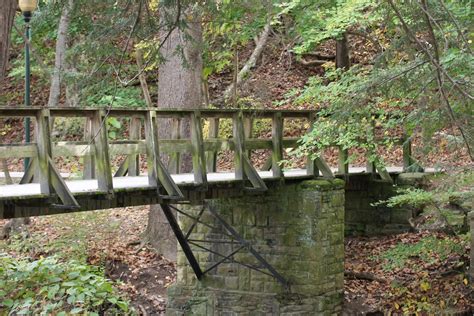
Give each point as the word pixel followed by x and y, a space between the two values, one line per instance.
pixel 298 231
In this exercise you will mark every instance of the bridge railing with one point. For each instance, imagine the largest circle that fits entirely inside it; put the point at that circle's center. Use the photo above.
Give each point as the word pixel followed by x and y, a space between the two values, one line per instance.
pixel 96 148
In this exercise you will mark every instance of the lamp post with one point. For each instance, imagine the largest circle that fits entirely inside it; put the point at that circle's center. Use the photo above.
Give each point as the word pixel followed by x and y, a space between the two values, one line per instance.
pixel 27 7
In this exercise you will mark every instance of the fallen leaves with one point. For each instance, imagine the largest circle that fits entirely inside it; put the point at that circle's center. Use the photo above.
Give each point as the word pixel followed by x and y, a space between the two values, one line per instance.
pixel 422 285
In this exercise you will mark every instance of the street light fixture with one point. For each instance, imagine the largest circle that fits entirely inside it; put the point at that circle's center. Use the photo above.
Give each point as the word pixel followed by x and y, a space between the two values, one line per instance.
pixel 27 7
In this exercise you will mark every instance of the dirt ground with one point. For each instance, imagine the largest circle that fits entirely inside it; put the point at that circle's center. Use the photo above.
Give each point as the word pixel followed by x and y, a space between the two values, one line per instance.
pixel 112 238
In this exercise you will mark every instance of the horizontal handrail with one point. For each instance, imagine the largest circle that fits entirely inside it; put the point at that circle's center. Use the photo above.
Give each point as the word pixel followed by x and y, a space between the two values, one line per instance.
pixel 22 111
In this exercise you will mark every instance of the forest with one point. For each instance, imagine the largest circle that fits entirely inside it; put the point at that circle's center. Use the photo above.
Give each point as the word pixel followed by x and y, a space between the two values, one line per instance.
pixel 376 97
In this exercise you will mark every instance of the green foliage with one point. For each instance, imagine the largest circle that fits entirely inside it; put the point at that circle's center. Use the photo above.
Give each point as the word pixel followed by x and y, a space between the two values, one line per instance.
pixel 317 21
pixel 48 286
pixel 118 97
pixel 413 197
pixel 401 92
pixel 429 249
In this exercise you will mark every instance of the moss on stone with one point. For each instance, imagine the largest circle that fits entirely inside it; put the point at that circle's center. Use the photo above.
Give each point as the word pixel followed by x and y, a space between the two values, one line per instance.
pixel 321 184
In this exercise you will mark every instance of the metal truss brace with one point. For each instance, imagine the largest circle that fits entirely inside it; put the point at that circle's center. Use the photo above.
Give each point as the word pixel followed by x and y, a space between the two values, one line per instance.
pixel 234 238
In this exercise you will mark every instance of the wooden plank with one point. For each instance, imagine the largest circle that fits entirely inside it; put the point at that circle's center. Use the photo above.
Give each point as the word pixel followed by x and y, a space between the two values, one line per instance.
pixel 30 172
pixel 75 150
pixel 370 165
pixel 252 174
pixel 61 189
pixel 277 140
pixel 343 166
pixel 152 151
pixel 18 151
pixel 123 168
pixel 134 159
pixel 211 156
pixel 324 167
pixel 198 158
pixel 382 171
pixel 239 137
pixel 311 165
pixel 44 151
pixel 407 153
pixel 101 150
pixel 175 156
pixel 248 132
pixel 21 111
pixel 157 174
pixel 89 158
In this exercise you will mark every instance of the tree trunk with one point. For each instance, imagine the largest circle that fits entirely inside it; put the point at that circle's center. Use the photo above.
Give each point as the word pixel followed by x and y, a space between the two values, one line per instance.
pixel 251 62
pixel 7 16
pixel 179 86
pixel 342 53
pixel 60 59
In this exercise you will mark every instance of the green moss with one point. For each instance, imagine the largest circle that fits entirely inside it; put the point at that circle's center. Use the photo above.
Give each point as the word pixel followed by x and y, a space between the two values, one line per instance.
pixel 321 184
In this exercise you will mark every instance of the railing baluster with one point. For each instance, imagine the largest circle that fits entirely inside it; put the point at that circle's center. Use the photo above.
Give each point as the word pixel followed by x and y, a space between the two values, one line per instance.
pixel 248 132
pixel 211 157
pixel 175 157
pixel 239 138
pixel 44 150
pixel 343 166
pixel 158 176
pixel 277 141
pixel 89 161
pixel 370 166
pixel 311 166
pixel 407 160
pixel 134 159
pixel 101 149
pixel 198 158
pixel 152 150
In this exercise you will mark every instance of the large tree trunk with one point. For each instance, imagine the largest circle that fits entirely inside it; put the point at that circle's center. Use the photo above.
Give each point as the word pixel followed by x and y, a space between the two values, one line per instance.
pixel 7 16
pixel 179 86
pixel 60 58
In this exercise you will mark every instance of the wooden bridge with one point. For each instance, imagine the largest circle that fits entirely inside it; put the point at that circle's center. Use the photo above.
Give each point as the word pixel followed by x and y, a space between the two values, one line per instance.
pixel 42 190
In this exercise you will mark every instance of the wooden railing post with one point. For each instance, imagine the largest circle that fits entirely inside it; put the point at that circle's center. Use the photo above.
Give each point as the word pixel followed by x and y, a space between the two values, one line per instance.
pixel 343 166
pixel 198 157
pixel 89 161
pixel 370 166
pixel 311 167
pixel 277 141
pixel 175 157
pixel 101 149
pixel 134 159
pixel 152 149
pixel 239 144
pixel 157 174
pixel 248 132
pixel 44 150
pixel 407 154
pixel 211 157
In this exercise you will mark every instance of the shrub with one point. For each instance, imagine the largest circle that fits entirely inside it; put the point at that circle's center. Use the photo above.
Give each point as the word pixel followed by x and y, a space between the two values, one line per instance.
pixel 48 286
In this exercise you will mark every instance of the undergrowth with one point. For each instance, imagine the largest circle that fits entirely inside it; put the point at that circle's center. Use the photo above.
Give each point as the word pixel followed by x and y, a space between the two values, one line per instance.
pixel 430 250
pixel 48 286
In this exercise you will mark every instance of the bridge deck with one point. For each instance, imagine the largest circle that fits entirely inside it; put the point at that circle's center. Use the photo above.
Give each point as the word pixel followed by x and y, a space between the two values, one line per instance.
pixel 44 190
pixel 78 187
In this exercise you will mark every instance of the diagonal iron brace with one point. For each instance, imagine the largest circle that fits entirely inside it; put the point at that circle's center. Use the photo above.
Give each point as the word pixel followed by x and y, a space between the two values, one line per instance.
pixel 245 243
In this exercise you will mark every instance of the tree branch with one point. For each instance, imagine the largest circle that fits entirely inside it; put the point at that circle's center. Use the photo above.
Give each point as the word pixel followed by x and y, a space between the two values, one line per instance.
pixel 262 41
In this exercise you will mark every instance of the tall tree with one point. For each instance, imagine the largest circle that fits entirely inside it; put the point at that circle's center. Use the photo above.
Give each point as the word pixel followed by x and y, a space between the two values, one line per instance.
pixel 7 16
pixel 60 57
pixel 179 86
